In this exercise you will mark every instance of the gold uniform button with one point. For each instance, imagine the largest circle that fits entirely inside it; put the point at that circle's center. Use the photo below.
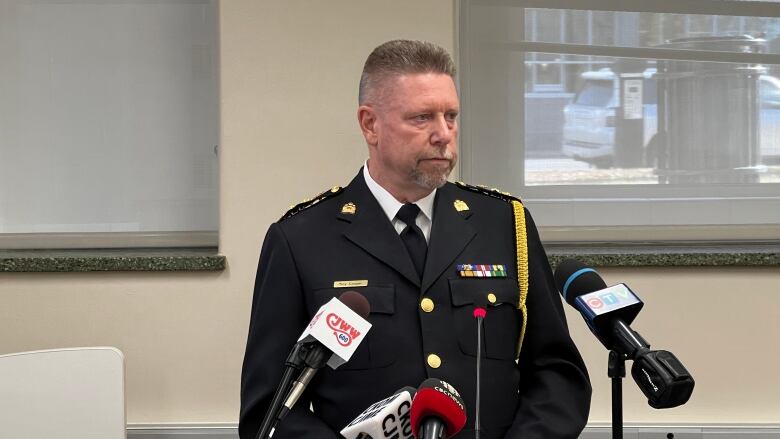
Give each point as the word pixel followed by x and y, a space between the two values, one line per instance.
pixel 427 305
pixel 491 298
pixel 434 361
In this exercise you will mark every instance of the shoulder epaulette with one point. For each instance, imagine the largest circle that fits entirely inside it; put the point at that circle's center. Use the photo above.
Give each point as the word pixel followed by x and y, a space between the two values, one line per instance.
pixel 309 202
pixel 491 192
pixel 521 241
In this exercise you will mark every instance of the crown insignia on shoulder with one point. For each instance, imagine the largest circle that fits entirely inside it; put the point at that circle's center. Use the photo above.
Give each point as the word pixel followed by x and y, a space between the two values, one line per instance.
pixel 309 202
pixel 491 192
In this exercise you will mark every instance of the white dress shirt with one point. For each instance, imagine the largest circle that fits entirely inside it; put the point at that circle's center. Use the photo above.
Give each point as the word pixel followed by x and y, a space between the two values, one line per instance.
pixel 391 206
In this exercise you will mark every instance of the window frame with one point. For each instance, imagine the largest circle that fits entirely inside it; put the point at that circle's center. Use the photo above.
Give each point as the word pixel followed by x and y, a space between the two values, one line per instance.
pixel 629 233
pixel 189 237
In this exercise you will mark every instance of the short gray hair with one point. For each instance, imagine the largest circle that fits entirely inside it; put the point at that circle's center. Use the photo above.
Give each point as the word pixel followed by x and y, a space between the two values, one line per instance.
pixel 400 57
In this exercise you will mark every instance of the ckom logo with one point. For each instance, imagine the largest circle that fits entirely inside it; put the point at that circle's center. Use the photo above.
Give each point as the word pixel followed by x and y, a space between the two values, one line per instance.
pixel 343 331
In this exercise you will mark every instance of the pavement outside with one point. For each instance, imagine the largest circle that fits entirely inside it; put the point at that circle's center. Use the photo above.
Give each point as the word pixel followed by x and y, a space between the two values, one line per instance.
pixel 564 171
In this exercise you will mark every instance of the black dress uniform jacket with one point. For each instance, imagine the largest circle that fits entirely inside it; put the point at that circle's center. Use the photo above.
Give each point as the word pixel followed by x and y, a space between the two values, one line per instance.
pixel 546 394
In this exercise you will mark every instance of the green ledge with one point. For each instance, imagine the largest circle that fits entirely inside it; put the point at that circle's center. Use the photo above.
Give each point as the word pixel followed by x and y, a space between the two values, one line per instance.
pixel 170 259
pixel 669 255
pixel 207 259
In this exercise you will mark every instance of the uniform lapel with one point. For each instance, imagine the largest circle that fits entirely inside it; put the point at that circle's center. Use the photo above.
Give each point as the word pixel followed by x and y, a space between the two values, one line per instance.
pixel 450 234
pixel 371 230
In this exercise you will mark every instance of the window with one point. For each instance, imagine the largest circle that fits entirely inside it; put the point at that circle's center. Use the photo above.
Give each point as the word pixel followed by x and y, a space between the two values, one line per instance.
pixel 108 122
pixel 664 122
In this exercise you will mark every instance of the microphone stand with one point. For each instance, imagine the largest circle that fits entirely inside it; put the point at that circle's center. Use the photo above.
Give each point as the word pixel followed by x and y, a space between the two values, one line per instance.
pixel 616 370
pixel 479 314
pixel 292 364
pixel 479 375
pixel 626 340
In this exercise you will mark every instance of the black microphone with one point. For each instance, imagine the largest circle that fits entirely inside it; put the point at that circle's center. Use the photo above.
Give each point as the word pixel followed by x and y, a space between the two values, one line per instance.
pixel 331 338
pixel 321 354
pixel 609 311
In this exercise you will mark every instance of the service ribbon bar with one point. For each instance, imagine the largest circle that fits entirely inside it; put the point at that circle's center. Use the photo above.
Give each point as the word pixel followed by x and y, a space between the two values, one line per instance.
pixel 481 270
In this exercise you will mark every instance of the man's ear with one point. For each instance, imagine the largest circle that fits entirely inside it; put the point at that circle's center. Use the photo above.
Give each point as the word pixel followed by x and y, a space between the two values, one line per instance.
pixel 366 115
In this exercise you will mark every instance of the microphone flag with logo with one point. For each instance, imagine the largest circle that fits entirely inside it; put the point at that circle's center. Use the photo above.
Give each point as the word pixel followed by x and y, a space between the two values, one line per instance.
pixel 608 311
pixel 600 306
pixel 331 337
pixel 388 418
pixel 337 327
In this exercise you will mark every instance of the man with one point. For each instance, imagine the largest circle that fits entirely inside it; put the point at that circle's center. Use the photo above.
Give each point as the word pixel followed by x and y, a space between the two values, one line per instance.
pixel 426 253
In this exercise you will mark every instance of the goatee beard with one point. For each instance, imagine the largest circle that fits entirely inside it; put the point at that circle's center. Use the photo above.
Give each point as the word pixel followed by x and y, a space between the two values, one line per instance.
pixel 430 180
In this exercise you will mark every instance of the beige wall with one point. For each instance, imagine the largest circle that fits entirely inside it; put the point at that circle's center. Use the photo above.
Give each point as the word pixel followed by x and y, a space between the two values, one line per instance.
pixel 289 75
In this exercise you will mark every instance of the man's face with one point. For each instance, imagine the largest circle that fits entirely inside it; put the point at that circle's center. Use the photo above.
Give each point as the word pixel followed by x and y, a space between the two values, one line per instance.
pixel 412 133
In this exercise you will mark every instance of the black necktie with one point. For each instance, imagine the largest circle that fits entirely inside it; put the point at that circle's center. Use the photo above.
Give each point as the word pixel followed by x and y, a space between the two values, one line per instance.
pixel 413 237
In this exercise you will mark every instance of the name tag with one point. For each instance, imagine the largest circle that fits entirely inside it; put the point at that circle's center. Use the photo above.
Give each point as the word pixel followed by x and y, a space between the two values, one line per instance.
pixel 350 283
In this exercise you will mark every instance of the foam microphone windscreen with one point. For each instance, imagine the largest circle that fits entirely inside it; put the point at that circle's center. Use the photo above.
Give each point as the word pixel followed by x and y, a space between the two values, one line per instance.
pixel 356 302
pixel 573 279
pixel 438 399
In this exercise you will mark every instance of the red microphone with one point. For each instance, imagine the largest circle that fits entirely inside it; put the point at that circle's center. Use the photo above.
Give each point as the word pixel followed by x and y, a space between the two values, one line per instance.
pixel 437 411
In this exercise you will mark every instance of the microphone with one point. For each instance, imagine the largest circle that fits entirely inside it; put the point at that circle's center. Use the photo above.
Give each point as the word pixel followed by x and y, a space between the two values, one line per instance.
pixel 609 311
pixel 388 418
pixel 479 314
pixel 437 411
pixel 331 337
pixel 335 339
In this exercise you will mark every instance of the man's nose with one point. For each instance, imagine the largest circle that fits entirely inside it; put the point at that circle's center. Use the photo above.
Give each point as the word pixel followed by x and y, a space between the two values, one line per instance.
pixel 443 131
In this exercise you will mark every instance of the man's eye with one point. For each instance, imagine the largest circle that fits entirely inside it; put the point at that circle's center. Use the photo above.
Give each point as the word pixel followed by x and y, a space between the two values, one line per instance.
pixel 422 117
pixel 451 116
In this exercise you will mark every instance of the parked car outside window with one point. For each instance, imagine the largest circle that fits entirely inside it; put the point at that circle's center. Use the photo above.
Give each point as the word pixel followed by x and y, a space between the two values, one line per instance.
pixel 589 120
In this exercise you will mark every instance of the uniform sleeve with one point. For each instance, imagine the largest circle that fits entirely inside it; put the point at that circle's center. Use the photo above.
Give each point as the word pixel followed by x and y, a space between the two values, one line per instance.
pixel 277 319
pixel 554 387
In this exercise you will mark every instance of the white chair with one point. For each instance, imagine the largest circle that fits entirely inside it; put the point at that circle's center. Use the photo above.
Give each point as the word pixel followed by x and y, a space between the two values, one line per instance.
pixel 63 393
